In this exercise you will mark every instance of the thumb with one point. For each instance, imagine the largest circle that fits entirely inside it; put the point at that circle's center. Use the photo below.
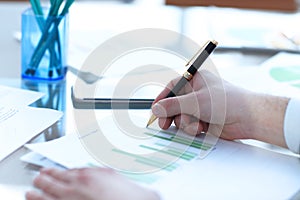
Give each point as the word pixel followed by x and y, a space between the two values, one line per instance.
pixel 184 104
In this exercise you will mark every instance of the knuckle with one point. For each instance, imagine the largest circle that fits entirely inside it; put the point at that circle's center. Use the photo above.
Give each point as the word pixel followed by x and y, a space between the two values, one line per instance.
pixel 83 175
pixel 38 181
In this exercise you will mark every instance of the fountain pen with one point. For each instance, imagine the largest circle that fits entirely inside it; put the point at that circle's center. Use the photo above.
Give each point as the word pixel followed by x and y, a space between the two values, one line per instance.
pixel 194 64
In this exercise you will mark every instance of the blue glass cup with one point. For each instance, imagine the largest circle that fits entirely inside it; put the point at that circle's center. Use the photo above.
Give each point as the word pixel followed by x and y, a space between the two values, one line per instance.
pixel 44 46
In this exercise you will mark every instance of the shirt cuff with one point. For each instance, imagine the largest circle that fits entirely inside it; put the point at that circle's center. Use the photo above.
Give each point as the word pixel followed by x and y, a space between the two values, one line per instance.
pixel 292 125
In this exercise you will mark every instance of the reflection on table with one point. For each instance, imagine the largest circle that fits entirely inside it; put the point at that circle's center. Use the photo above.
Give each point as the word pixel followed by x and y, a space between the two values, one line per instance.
pixel 55 98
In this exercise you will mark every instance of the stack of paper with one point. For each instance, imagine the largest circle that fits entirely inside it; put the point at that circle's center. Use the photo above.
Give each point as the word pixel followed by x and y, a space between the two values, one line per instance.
pixel 18 122
pixel 74 155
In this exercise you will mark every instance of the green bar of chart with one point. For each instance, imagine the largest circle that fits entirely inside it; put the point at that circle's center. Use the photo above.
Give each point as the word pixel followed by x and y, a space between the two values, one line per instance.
pixel 285 74
pixel 165 151
pixel 154 162
pixel 184 141
pixel 170 152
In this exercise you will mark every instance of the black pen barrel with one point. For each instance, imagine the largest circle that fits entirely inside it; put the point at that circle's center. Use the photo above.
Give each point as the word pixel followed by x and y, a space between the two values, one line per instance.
pixel 177 87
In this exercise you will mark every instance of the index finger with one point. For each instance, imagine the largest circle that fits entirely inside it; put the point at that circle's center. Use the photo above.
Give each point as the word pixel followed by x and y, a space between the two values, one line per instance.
pixel 195 84
pixel 166 90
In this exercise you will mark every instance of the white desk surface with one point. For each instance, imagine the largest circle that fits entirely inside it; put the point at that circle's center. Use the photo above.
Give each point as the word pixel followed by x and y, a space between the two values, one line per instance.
pixel 12 170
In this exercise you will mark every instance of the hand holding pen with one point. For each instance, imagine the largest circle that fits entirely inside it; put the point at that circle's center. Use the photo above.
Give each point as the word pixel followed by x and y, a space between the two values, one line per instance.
pixel 194 64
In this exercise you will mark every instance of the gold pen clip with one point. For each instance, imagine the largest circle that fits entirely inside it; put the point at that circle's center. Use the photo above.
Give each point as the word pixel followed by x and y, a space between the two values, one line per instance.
pixel 197 53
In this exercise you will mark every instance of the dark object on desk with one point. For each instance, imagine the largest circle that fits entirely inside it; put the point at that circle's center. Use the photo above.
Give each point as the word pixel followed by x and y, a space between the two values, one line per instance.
pixel 110 103
pixel 281 5
pixel 256 50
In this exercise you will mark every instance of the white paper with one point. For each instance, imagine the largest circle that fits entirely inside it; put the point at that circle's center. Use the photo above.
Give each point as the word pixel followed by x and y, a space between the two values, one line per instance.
pixel 13 192
pixel 282 71
pixel 40 160
pixel 17 97
pixel 235 171
pixel 20 124
pixel 259 79
pixel 232 171
pixel 73 149
pixel 69 152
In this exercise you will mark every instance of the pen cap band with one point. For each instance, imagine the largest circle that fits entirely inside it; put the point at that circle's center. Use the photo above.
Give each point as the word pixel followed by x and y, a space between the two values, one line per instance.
pixel 188 76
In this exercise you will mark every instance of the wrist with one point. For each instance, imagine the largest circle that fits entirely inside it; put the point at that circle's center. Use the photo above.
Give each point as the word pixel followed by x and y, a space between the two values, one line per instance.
pixel 267 118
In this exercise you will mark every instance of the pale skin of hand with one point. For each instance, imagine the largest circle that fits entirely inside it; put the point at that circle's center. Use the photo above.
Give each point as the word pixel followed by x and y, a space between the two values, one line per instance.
pixel 86 184
pixel 248 115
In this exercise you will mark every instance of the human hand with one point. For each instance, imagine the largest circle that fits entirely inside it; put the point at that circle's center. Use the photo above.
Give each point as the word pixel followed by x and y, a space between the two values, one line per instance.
pixel 86 184
pixel 209 100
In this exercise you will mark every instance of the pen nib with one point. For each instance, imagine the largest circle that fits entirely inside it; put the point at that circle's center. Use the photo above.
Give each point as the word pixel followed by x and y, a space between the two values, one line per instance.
pixel 151 120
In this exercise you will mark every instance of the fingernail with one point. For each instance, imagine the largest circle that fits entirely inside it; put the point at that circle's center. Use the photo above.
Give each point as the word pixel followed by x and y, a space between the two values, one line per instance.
pixel 158 110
